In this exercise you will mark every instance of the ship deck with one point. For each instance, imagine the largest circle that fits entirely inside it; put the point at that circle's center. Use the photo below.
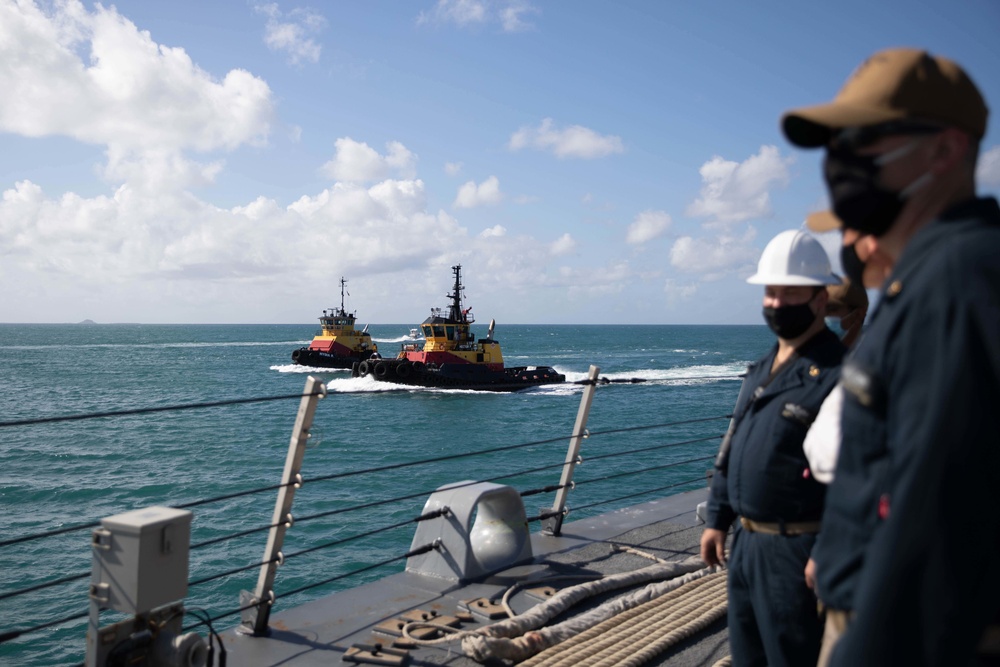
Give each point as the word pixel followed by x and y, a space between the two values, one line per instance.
pixel 320 632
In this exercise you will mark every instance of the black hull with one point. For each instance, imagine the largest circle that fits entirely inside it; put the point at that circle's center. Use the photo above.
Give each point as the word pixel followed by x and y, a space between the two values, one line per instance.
pixel 306 357
pixel 456 376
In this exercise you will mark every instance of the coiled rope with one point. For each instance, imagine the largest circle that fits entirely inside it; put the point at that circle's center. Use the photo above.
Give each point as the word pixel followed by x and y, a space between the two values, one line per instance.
pixel 663 613
pixel 637 635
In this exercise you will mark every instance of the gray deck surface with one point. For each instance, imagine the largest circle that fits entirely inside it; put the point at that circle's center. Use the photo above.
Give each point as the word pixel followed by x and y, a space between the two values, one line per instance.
pixel 318 633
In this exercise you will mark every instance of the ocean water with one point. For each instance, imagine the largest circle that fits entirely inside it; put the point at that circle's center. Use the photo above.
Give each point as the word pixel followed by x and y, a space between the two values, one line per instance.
pixel 63 474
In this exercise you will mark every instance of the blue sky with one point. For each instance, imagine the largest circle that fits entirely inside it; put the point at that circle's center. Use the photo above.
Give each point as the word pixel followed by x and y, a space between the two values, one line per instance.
pixel 584 161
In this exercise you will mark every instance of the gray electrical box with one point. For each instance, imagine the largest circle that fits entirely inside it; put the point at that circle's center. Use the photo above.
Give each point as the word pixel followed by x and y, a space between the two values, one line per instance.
pixel 141 559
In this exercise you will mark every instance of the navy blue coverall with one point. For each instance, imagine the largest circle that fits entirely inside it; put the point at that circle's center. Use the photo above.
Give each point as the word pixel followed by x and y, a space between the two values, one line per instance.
pixel 911 531
pixel 772 613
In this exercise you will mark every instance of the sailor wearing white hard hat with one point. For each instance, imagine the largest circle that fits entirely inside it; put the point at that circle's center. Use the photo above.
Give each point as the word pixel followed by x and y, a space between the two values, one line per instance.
pixel 760 485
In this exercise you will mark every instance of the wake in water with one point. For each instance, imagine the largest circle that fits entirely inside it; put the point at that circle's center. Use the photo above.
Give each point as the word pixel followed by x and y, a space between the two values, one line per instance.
pixel 298 368
pixel 686 376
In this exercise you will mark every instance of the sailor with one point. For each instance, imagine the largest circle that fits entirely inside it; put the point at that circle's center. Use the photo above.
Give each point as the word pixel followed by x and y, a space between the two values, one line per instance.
pixel 909 557
pixel 759 476
pixel 846 309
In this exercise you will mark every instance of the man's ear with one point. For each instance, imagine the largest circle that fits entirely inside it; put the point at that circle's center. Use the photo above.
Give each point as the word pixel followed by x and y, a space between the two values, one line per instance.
pixel 951 149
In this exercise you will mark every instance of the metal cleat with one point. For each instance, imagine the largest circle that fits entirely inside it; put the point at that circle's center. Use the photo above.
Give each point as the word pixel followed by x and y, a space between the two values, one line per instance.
pixel 375 654
pixel 485 607
pixel 541 592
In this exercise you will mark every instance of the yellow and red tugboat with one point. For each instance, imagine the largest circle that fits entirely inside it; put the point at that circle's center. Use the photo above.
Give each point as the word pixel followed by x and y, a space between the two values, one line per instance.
pixel 338 344
pixel 452 357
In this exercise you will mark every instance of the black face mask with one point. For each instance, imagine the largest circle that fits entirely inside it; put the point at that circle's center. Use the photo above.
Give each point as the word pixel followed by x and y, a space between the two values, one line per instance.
pixel 857 200
pixel 854 268
pixel 790 322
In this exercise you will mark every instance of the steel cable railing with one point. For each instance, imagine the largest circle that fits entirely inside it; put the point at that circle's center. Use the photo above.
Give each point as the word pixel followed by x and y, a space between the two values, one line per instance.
pixel 159 408
pixel 95 524
pixel 413 552
pixel 224 538
pixel 700 479
pixel 630 473
pixel 420 494
pixel 381 469
pixel 599 457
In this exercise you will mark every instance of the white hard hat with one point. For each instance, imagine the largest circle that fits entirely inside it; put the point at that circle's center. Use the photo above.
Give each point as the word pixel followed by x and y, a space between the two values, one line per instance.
pixel 793 258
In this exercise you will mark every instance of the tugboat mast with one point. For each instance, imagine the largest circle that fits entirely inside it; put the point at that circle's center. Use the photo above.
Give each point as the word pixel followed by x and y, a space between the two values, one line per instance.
pixel 456 313
pixel 343 284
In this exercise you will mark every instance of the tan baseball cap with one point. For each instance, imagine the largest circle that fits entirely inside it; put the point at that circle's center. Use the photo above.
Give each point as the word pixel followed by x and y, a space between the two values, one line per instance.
pixel 848 294
pixel 823 221
pixel 892 85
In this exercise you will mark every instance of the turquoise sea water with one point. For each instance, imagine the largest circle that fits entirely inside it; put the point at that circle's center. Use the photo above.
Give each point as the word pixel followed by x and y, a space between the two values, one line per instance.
pixel 63 474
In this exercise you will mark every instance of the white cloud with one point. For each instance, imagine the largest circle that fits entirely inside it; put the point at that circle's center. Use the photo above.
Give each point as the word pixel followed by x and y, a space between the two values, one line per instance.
pixel 575 141
pixel 677 291
pixel 713 258
pixel 471 195
pixel 106 82
pixel 91 75
pixel 509 14
pixel 452 168
pixel 157 170
pixel 136 236
pixel 592 282
pixel 988 169
pixel 734 192
pixel 291 35
pixel 647 226
pixel 494 231
pixel 564 245
pixel 357 162
pixel 512 16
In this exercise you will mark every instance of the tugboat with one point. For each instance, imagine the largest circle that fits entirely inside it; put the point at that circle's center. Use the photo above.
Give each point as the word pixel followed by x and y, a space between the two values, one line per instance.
pixel 452 358
pixel 338 344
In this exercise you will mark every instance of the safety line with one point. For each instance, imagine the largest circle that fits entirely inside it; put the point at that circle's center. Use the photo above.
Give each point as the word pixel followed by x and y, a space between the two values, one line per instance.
pixel 637 472
pixel 374 531
pixel 641 493
pixel 14 634
pixel 47 584
pixel 420 494
pixel 652 426
pixel 163 408
pixel 598 457
pixel 506 448
pixel 414 552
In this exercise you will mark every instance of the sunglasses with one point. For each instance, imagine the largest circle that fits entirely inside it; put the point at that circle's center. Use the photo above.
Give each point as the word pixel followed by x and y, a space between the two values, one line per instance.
pixel 854 138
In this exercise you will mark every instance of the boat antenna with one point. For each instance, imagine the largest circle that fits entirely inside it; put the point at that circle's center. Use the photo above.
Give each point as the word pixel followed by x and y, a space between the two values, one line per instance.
pixel 456 297
pixel 343 289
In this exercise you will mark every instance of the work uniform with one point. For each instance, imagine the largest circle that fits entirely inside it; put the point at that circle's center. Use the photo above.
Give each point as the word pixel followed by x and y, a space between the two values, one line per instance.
pixel 772 613
pixel 911 531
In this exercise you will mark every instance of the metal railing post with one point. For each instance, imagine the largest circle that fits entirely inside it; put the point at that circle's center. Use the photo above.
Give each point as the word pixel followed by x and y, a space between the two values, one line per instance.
pixel 553 524
pixel 254 619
